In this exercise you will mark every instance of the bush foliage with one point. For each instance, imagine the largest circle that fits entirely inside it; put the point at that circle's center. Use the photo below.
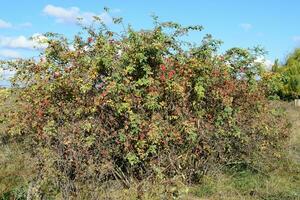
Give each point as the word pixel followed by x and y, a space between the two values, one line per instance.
pixel 284 81
pixel 138 104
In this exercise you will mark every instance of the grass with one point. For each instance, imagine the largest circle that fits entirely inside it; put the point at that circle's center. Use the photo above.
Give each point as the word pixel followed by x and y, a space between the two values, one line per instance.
pixel 249 185
pixel 15 170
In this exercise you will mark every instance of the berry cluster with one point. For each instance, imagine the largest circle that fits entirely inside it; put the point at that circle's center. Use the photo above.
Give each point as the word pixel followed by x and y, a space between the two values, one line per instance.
pixel 166 74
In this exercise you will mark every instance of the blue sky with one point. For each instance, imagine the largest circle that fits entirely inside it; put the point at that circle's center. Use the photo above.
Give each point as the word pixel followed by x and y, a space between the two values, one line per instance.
pixel 273 24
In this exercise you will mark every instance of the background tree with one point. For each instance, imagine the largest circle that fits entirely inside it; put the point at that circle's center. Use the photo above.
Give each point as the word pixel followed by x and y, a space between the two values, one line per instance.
pixel 275 66
pixel 285 81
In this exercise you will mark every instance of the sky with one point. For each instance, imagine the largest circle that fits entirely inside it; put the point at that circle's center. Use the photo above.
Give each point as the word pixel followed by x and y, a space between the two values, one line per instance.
pixel 272 24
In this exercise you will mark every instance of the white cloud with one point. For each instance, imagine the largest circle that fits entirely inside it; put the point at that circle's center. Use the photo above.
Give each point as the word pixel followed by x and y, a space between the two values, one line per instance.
pixel 40 39
pixel 246 26
pixel 5 75
pixel 61 14
pixel 296 38
pixel 7 53
pixel 265 62
pixel 4 24
pixel 22 42
pixel 268 64
pixel 71 15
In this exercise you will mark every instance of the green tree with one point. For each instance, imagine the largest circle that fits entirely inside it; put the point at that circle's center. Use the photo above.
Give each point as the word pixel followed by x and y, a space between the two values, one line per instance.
pixel 275 66
pixel 288 76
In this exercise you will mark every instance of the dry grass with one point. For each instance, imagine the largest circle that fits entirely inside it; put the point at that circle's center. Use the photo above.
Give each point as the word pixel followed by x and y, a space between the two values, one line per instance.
pixel 293 114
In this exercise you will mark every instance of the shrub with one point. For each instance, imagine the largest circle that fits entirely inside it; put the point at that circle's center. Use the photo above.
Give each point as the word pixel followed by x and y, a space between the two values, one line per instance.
pixel 138 104
pixel 284 80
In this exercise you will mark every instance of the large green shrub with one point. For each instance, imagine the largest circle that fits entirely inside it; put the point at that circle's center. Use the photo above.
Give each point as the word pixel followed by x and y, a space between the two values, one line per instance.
pixel 138 104
pixel 284 80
